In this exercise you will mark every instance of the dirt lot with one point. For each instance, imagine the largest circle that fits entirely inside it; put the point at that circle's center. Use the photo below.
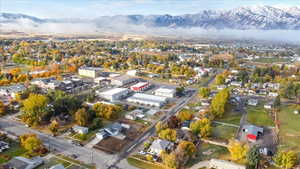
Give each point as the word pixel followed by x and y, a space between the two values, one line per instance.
pixel 113 145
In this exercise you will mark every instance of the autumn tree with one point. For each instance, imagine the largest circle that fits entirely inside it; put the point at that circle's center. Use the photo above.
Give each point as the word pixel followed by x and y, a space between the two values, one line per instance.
pixel 170 160
pixel 204 92
pixel 201 127
pixel 2 109
pixel 168 134
pixel 219 103
pixel 238 150
pixel 31 142
pixel 184 115
pixel 187 148
pixel 107 111
pixel 173 122
pixel 35 109
pixel 286 159
pixel 81 117
pixel 220 79
pixel 53 127
pixel 160 126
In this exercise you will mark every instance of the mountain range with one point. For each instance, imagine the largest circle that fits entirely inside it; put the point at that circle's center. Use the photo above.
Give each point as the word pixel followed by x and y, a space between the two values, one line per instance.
pixel 242 18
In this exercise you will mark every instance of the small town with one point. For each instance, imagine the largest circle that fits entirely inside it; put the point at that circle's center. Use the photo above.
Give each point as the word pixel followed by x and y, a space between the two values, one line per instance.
pixel 148 104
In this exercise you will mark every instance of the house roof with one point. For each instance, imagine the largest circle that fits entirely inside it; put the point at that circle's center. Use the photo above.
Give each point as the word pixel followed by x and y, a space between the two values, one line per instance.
pixel 160 144
pixel 16 164
pixel 251 129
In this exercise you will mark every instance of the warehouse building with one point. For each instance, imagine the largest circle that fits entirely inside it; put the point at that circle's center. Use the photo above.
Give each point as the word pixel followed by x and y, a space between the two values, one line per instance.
pixel 122 80
pixel 165 92
pixel 114 94
pixel 148 100
pixel 92 72
pixel 141 86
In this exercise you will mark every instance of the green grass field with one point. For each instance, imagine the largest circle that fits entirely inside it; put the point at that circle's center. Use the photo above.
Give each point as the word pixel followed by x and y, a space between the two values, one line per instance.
pixel 270 60
pixel 141 164
pixel 14 150
pixel 289 128
pixel 231 117
pixel 223 132
pixel 259 116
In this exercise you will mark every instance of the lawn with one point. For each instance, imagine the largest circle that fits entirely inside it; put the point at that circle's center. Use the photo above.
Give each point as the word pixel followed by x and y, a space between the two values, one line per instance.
pixel 141 164
pixel 271 60
pixel 289 128
pixel 259 116
pixel 14 150
pixel 231 117
pixel 216 152
pixel 223 132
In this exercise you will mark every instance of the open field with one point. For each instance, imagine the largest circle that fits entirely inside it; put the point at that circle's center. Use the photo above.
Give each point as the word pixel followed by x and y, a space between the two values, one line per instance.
pixel 270 60
pixel 223 132
pixel 259 116
pixel 231 117
pixel 289 128
pixel 14 150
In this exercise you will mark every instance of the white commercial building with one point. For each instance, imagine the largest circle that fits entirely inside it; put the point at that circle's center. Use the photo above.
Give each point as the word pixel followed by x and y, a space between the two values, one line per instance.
pixel 114 94
pixel 92 72
pixel 147 99
pixel 122 80
pixel 166 92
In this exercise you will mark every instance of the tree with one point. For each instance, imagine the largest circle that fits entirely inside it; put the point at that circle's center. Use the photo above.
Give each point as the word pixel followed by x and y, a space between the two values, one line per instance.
pixel 219 103
pixel 2 109
pixel 253 156
pixel 220 79
pixel 184 115
pixel 179 91
pixel 54 127
pixel 173 122
pixel 201 127
pixel 106 111
pixel 187 148
pixel 159 127
pixel 286 159
pixel 168 134
pixel 204 92
pixel 81 117
pixel 170 160
pixel 97 123
pixel 238 150
pixel 31 142
pixel 35 109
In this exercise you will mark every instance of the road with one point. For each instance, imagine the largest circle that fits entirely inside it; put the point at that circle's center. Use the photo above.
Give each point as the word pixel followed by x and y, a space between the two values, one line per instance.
pixel 58 144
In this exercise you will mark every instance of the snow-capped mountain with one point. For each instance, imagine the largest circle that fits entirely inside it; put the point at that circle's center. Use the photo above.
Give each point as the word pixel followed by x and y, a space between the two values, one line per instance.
pixel 243 18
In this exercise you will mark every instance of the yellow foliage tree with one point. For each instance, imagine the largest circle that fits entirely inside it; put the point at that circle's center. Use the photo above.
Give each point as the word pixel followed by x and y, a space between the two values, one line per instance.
pixel 238 150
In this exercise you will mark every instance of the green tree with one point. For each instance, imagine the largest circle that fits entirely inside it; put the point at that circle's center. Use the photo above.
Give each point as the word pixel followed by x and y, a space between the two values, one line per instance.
pixel 286 159
pixel 238 150
pixel 253 156
pixel 219 103
pixel 204 92
pixel 35 109
pixel 201 127
pixel 81 117
pixel 168 134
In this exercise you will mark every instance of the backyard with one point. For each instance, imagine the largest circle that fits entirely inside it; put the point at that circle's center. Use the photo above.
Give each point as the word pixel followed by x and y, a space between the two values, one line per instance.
pixel 14 150
pixel 231 117
pixel 289 128
pixel 223 133
pixel 259 116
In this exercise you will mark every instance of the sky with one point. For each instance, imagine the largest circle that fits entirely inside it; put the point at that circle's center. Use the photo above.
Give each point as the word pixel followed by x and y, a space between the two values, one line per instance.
pixel 95 8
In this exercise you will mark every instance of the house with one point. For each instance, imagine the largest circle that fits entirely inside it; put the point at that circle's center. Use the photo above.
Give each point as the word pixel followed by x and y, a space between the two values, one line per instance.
pixel 92 72
pixel 269 105
pixel 113 130
pixel 80 129
pixel 252 102
pixel 24 163
pixel 273 94
pixel 102 134
pixel 135 115
pixel 186 125
pixel 114 94
pixel 237 84
pixel 58 166
pixel 165 92
pixel 3 146
pixel 160 145
pixel 252 132
pixel 132 72
pixel 12 90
